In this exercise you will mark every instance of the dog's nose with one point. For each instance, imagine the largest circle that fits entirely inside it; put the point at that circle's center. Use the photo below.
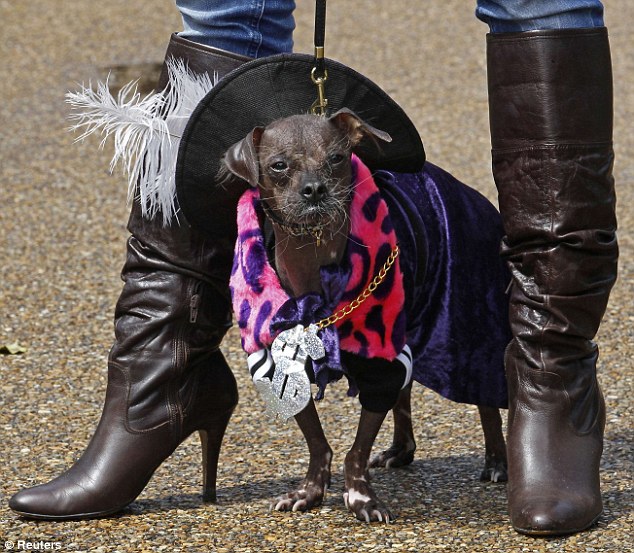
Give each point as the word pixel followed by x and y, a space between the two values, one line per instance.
pixel 313 190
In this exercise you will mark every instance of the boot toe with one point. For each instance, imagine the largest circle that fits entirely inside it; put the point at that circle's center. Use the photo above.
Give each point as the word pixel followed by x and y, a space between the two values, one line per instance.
pixel 552 517
pixel 60 500
pixel 32 503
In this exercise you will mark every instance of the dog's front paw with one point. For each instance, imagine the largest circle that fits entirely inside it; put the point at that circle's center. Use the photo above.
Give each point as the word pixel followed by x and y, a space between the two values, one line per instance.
pixel 367 507
pixel 302 499
pixel 394 457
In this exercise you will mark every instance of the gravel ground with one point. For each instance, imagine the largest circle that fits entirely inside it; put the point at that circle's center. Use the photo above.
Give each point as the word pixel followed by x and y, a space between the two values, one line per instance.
pixel 62 233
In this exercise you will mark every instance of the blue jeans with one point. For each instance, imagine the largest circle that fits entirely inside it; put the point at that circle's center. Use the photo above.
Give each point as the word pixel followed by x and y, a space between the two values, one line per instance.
pixel 254 28
pixel 258 28
pixel 504 16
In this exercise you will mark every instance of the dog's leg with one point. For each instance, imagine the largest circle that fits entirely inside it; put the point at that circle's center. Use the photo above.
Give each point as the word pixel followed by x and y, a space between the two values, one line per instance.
pixel 359 496
pixel 495 447
pixel 313 489
pixel 403 446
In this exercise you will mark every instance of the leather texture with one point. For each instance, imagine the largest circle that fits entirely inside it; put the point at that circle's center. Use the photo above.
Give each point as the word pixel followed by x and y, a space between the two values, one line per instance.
pixel 201 58
pixel 550 98
pixel 166 376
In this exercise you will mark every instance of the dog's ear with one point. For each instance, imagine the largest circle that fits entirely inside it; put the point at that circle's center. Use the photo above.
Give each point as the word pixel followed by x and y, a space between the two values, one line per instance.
pixel 356 128
pixel 241 159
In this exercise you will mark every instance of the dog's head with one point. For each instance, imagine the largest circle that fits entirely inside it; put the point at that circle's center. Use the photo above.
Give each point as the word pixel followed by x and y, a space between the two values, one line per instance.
pixel 302 164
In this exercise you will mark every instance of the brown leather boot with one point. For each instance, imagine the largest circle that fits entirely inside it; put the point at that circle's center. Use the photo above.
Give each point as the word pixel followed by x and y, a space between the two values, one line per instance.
pixel 166 375
pixel 550 99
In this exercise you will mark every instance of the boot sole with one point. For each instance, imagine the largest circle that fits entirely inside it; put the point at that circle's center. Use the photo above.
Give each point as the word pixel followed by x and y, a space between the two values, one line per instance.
pixel 82 516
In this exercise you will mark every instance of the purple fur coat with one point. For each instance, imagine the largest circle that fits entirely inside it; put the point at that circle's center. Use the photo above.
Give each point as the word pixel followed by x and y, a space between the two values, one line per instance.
pixel 455 282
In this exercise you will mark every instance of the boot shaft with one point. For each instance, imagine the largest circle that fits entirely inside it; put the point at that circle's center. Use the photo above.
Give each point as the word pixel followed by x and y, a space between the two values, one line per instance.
pixel 550 88
pixel 550 97
pixel 175 305
pixel 200 59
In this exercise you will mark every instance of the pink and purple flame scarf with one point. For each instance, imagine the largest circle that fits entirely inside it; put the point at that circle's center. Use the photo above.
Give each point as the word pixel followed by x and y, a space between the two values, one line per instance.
pixel 377 328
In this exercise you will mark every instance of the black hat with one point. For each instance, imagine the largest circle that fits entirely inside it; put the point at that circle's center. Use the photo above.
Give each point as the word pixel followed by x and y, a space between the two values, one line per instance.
pixel 258 93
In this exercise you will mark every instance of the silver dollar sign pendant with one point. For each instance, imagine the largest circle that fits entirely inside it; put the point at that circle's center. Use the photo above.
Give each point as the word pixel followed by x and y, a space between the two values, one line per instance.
pixel 312 344
pixel 290 384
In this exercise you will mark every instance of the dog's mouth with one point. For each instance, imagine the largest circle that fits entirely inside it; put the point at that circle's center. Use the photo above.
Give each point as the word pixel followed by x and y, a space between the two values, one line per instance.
pixel 309 218
pixel 316 214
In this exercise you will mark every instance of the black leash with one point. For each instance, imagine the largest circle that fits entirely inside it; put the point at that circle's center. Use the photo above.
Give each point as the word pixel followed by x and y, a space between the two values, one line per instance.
pixel 319 74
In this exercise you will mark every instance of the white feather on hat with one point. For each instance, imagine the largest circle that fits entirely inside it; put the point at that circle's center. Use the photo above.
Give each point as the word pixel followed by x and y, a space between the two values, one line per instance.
pixel 146 131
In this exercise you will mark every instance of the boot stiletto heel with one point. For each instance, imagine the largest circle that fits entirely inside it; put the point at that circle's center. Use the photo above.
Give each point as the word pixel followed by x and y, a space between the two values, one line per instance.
pixel 211 441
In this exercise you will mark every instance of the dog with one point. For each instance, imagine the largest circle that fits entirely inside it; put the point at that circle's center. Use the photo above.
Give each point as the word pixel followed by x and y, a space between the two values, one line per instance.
pixel 303 170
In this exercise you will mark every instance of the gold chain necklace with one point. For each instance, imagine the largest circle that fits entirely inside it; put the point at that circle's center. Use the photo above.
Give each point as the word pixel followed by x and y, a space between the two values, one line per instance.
pixel 356 303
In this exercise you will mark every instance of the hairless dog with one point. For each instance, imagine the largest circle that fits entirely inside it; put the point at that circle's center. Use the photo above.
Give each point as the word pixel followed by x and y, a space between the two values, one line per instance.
pixel 303 170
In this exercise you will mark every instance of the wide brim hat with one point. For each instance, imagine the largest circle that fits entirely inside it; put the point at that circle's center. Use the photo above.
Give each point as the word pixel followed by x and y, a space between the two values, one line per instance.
pixel 260 92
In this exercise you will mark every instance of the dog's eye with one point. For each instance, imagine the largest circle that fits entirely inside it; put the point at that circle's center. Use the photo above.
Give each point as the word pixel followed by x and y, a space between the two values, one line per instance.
pixel 335 159
pixel 279 166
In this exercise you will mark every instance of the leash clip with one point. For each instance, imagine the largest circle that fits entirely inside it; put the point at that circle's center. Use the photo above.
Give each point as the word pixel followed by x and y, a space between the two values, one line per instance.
pixel 321 103
pixel 319 74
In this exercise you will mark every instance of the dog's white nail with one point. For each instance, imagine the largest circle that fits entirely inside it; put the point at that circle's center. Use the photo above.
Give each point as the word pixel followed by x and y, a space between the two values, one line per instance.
pixel 378 514
pixel 299 505
pixel 281 505
pixel 365 515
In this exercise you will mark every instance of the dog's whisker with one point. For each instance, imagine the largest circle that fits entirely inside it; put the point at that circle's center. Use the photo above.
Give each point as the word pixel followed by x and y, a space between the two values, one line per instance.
pixel 306 245
pixel 283 245
pixel 340 230
pixel 356 242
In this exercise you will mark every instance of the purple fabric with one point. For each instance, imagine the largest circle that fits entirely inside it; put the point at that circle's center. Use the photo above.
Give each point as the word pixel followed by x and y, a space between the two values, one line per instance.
pixel 312 307
pixel 455 282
